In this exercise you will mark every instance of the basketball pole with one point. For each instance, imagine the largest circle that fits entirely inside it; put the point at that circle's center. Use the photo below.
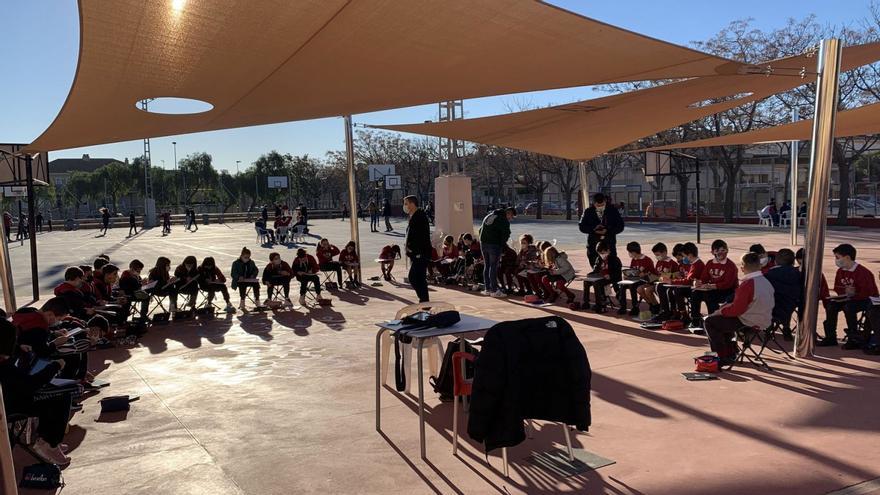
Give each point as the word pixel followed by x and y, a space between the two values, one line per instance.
pixel 352 191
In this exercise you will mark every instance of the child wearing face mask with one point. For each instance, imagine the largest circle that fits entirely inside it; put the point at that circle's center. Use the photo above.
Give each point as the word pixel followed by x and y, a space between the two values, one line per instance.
pixel 679 287
pixel 609 266
pixel 525 259
pixel 305 267
pixel 130 283
pixel 211 280
pixel 716 285
pixel 277 273
pixel 351 262
pixel 644 268
pixel 664 267
pixel 767 257
pixel 244 274
pixel 187 275
pixel 165 283
pixel 854 285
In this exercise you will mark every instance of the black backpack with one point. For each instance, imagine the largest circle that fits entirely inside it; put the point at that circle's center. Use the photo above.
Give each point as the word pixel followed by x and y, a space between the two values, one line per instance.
pixel 443 384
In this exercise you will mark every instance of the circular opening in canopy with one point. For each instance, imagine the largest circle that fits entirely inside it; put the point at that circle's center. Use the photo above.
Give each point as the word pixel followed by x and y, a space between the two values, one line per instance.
pixel 723 99
pixel 170 105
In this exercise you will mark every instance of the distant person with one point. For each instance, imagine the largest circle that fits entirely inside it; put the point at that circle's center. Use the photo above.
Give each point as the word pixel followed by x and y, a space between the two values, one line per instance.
pixel 802 210
pixel 494 234
pixel 166 223
pixel 264 214
pixel 39 221
pixel 429 210
pixel 344 211
pixel 22 228
pixel 786 206
pixel 49 220
pixel 601 222
pixel 7 224
pixel 132 224
pixel 386 212
pixel 770 211
pixel 277 210
pixel 105 220
pixel 192 220
pixel 418 246
pixel 374 216
pixel 304 213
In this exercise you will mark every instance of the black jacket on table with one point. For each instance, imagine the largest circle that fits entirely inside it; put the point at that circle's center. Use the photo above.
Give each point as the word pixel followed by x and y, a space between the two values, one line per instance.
pixel 418 236
pixel 528 369
pixel 611 219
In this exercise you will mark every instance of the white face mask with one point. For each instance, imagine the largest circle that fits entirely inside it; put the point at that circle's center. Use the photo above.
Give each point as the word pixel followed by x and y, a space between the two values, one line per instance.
pixel 764 260
pixel 662 258
pixel 600 210
pixel 840 263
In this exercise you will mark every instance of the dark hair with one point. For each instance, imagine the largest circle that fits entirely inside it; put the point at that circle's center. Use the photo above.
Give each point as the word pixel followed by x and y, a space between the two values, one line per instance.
pixel 527 237
pixel 845 250
pixel 689 248
pixel 396 250
pixel 510 209
pixel 108 269
pixel 676 249
pixel 634 247
pixel 100 322
pixel 244 251
pixel 272 256
pixel 785 257
pixel 752 260
pixel 7 338
pixel 603 246
pixel 799 255
pixel 599 198
pixel 73 273
pixel 412 199
pixel 136 265
pixel 57 306
pixel 469 237
pixel 659 248
pixel 99 263
pixel 207 259
pixel 757 248
pixel 104 257
pixel 190 259
pixel 352 244
pixel 300 252
pixel 718 244
pixel 85 268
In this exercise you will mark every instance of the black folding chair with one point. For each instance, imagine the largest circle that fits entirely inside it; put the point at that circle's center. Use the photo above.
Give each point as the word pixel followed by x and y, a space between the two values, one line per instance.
pixel 750 336
pixel 770 337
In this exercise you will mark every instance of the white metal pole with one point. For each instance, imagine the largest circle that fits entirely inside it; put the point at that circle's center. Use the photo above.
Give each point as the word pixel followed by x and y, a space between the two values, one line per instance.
pixel 792 213
pixel 821 146
pixel 352 188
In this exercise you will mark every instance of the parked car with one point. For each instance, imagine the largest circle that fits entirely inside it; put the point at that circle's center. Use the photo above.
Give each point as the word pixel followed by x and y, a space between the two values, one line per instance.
pixel 547 208
pixel 668 208
pixel 857 207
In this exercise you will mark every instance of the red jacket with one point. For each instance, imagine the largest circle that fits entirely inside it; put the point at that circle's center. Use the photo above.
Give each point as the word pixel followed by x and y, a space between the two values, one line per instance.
pixel 387 253
pixel 326 255
pixel 694 273
pixel 350 257
pixel 723 275
pixel 305 265
pixel 667 265
pixel 824 292
pixel 275 271
pixel 859 277
pixel 102 290
pixel 645 265
pixel 450 252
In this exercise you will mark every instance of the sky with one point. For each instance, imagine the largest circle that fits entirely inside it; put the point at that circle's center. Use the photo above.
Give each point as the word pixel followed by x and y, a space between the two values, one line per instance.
pixel 39 43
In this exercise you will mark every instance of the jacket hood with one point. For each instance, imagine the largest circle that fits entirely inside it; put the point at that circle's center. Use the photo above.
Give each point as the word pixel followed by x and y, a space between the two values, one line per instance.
pixel 65 288
pixel 27 318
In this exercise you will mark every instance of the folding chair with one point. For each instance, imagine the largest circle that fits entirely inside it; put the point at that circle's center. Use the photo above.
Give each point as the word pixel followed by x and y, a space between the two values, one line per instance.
pixel 299 234
pixel 153 316
pixel 250 296
pixel 208 308
pixel 748 335
pixel 329 276
pixel 769 337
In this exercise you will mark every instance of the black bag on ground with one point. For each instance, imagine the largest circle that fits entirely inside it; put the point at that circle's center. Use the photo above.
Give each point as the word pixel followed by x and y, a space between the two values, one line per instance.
pixel 443 384
pixel 42 476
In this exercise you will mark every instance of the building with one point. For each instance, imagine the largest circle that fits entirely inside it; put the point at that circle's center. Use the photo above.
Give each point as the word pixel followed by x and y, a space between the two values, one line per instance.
pixel 61 168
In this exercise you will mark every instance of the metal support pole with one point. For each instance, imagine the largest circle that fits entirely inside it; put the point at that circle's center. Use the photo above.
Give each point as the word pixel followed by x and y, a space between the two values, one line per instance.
pixel 352 189
pixel 827 91
pixel 6 274
pixel 697 207
pixel 792 214
pixel 32 226
pixel 585 184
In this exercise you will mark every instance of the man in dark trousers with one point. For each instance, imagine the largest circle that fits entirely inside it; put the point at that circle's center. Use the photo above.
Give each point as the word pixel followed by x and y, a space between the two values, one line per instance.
pixel 132 224
pixel 386 212
pixel 39 221
pixel 601 222
pixel 418 246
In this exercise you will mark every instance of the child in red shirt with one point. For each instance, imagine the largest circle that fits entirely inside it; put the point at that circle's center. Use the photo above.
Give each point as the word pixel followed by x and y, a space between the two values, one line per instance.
pixel 387 256
pixel 678 287
pixel 665 267
pixel 717 284
pixel 640 266
pixel 351 262
pixel 855 286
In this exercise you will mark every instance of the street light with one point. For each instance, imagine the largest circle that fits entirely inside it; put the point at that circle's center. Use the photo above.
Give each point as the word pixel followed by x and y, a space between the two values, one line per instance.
pixel 174 143
pixel 236 166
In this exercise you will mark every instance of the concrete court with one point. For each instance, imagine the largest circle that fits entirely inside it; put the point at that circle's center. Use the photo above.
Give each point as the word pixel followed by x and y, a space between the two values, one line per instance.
pixel 284 405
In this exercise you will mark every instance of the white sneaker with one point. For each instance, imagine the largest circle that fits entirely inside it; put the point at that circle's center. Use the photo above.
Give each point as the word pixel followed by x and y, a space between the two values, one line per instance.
pixel 172 307
pixel 230 308
pixel 47 453
pixel 302 300
pixel 499 293
pixel 485 292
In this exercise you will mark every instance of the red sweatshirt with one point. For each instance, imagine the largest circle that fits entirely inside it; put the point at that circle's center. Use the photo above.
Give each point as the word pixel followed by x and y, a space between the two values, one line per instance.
pixel 307 265
pixel 695 272
pixel 667 265
pixel 860 278
pixel 325 255
pixel 645 265
pixel 349 257
pixel 450 252
pixel 723 275
pixel 387 253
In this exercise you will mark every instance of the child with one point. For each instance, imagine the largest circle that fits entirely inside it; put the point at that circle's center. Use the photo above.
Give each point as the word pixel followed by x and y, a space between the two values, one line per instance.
pixel 716 285
pixel 449 261
pixel 387 256
pixel 244 274
pixel 211 280
pixel 187 275
pixel 351 262
pixel 507 269
pixel 325 253
pixel 559 273
pixel 161 274
pixel 787 290
pixel 277 273
pixel 33 327
pixel 130 284
pixel 536 272
pixel 678 287
pixel 766 257
pixel 665 267
pixel 854 285
pixel 526 259
pixel 609 267
pixel 305 267
pixel 751 307
pixel 69 290
pixel 643 268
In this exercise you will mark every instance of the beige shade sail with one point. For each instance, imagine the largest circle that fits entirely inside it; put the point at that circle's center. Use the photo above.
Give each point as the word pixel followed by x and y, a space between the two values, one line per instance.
pixel 861 121
pixel 584 129
pixel 265 61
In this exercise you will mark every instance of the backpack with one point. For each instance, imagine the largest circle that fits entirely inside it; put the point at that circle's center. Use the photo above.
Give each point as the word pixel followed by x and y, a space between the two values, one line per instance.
pixel 42 476
pixel 443 383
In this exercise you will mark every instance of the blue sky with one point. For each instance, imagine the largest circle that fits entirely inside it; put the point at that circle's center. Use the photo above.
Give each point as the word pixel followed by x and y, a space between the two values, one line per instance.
pixel 39 50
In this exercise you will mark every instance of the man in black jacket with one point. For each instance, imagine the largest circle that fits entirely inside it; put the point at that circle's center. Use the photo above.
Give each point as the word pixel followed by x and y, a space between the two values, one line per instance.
pixel 418 246
pixel 601 222
pixel 386 212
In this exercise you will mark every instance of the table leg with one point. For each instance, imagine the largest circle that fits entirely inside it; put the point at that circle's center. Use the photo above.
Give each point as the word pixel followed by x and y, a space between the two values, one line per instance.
pixel 421 400
pixel 462 348
pixel 378 379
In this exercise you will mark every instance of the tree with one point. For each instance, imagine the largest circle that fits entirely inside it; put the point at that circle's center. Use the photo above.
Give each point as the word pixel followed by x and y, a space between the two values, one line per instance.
pixel 117 180
pixel 531 169
pixel 198 174
pixel 564 174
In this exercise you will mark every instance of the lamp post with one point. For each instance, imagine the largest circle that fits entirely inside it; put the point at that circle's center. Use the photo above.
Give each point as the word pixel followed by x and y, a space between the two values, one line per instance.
pixel 174 144
pixel 236 166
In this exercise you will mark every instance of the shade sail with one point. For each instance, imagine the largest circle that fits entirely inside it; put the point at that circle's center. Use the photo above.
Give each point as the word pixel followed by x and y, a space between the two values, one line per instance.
pixel 261 62
pixel 861 121
pixel 587 128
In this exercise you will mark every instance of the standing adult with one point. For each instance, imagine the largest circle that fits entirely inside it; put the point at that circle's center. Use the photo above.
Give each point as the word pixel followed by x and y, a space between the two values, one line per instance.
pixel 429 210
pixel 132 224
pixel 344 211
pixel 192 220
pixel 601 222
pixel 386 212
pixel 494 233
pixel 7 224
pixel 418 246
pixel 374 217
pixel 39 221
pixel 304 211
pixel 105 220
